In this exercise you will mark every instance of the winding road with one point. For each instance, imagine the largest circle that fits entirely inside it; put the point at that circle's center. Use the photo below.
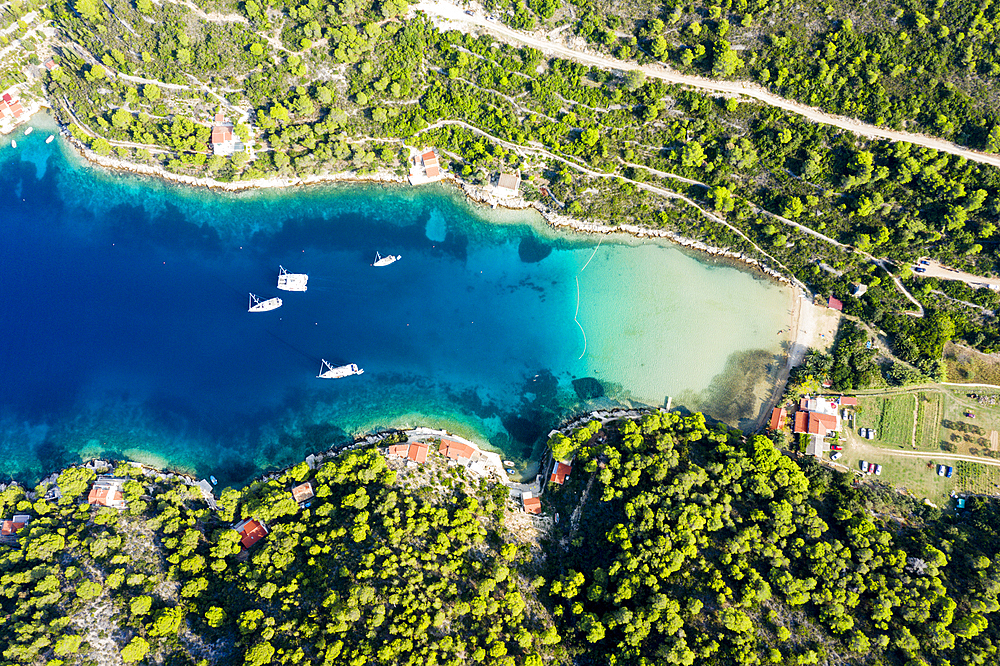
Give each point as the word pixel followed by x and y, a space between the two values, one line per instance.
pixel 456 18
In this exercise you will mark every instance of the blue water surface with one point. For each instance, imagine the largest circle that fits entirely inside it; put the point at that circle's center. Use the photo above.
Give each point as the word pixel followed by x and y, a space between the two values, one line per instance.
pixel 126 333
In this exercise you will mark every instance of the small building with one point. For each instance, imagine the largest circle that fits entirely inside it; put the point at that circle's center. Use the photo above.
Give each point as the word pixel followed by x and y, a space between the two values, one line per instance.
pixel 107 491
pixel 250 531
pixel 458 451
pixel 778 415
pixel 10 528
pixel 303 493
pixel 507 184
pixel 50 64
pixel 858 289
pixel 223 139
pixel 531 503
pixel 560 472
pixel 430 163
pixel 834 304
pixel 417 452
pixel 848 401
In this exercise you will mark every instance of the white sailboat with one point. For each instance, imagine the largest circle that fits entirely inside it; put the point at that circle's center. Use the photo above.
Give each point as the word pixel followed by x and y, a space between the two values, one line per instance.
pixel 291 281
pixel 327 371
pixel 385 261
pixel 257 305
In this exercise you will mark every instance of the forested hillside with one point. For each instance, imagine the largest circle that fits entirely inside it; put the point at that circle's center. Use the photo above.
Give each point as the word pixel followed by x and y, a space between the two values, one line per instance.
pixel 678 543
pixel 923 65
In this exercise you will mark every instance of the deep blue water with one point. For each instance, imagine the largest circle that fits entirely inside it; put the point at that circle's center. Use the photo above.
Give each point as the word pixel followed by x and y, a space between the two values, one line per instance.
pixel 126 333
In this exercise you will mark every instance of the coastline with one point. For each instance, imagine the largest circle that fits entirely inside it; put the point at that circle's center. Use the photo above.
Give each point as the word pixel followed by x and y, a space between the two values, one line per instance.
pixel 478 194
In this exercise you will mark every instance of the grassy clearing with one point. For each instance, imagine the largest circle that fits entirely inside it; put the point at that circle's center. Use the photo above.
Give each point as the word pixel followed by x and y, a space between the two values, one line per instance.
pixel 977 479
pixel 891 416
pixel 968 366
pixel 904 472
pixel 928 421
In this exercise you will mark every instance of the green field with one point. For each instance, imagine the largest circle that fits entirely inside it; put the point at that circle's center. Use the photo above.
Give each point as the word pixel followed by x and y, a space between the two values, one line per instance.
pixel 977 479
pixel 891 416
pixel 928 421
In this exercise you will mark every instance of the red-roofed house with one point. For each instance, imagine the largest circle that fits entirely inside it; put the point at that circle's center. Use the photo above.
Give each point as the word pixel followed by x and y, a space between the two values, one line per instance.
pixel 560 471
pixel 223 142
pixel 251 531
pixel 303 493
pixel 834 304
pixel 3 108
pixel 398 449
pixel 507 184
pixel 7 98
pixel 11 527
pixel 778 415
pixel 531 503
pixel 50 64
pixel 430 162
pixel 16 109
pixel 459 451
pixel 848 401
pixel 107 491
pixel 417 452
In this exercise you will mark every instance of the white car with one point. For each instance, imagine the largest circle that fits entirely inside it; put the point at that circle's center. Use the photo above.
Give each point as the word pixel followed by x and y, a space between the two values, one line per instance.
pixel 864 466
pixel 878 470
pixel 835 455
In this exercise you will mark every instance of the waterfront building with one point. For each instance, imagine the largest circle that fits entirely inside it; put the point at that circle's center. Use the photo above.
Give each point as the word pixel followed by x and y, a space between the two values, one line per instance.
pixel 107 491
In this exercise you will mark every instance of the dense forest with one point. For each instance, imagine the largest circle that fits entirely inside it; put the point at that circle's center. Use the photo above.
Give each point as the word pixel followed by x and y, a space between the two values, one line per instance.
pixel 680 543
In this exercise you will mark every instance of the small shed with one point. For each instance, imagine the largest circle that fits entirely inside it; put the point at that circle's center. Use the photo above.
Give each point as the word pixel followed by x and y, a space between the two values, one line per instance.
pixel 834 304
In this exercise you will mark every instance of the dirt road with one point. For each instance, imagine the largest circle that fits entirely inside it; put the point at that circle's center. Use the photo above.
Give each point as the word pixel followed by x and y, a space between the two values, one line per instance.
pixel 453 16
pixel 938 270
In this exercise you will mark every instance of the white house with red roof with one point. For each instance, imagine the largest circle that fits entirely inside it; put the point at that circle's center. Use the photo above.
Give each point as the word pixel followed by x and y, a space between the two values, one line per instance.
pixel 223 139
pixel 107 491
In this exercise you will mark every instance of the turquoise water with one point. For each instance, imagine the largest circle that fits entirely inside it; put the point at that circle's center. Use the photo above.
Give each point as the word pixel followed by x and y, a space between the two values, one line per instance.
pixel 126 332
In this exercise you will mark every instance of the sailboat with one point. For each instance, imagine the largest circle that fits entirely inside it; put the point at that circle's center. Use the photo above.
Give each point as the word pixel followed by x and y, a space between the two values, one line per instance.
pixel 291 281
pixel 327 371
pixel 385 261
pixel 257 305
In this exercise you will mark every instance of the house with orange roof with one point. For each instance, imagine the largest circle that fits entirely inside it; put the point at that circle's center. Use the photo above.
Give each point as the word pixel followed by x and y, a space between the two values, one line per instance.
pixel 816 417
pixel 458 451
pixel 531 503
pixel 303 493
pixel 107 491
pixel 507 185
pixel 223 140
pixel 415 452
pixel 430 162
pixel 778 416
pixel 10 528
pixel 250 531
pixel 560 471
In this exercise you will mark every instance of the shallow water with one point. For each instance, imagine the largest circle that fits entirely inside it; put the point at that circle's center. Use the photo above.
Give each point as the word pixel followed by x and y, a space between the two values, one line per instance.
pixel 126 332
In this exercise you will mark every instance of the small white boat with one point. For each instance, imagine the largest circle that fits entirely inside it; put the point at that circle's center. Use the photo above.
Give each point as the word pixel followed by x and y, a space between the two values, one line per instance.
pixel 257 305
pixel 291 281
pixel 511 472
pixel 385 261
pixel 29 131
pixel 51 138
pixel 508 463
pixel 327 371
pixel 13 144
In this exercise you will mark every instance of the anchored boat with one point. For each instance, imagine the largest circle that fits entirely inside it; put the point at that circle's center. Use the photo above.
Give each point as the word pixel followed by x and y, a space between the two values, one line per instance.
pixel 327 371
pixel 29 131
pixel 291 281
pixel 50 139
pixel 257 305
pixel 385 261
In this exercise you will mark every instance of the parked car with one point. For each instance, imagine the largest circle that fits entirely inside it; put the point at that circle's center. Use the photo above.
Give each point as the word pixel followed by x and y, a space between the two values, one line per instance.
pixel 836 447
pixel 924 262
pixel 920 270
pixel 864 466
pixel 940 470
pixel 878 470
pixel 872 433
pixel 835 455
pixel 864 432
pixel 948 472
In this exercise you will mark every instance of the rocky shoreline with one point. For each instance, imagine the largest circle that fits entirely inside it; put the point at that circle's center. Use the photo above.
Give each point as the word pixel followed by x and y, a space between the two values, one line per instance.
pixel 475 193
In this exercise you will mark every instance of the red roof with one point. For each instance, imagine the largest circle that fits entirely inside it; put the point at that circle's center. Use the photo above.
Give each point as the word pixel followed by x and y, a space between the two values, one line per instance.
pixel 559 472
pixel 778 415
pixel 9 527
pixel 399 449
pixel 303 492
pixel 533 505
pixel 428 157
pixel 105 496
pixel 848 401
pixel 455 450
pixel 252 532
pixel 222 134
pixel 834 304
pixel 50 64
pixel 432 171
pixel 417 452
pixel 16 108
pixel 7 98
pixel 219 118
pixel 801 421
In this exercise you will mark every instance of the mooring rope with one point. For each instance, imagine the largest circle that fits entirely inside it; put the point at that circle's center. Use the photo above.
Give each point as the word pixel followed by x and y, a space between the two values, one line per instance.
pixel 599 241
pixel 577 320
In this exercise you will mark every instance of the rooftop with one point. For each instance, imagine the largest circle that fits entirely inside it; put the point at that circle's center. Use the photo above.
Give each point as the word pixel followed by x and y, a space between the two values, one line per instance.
pixel 251 532
pixel 560 472
pixel 303 492
pixel 778 415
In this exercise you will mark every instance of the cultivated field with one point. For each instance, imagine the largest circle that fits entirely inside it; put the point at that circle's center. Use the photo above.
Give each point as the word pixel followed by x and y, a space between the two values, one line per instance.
pixel 976 479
